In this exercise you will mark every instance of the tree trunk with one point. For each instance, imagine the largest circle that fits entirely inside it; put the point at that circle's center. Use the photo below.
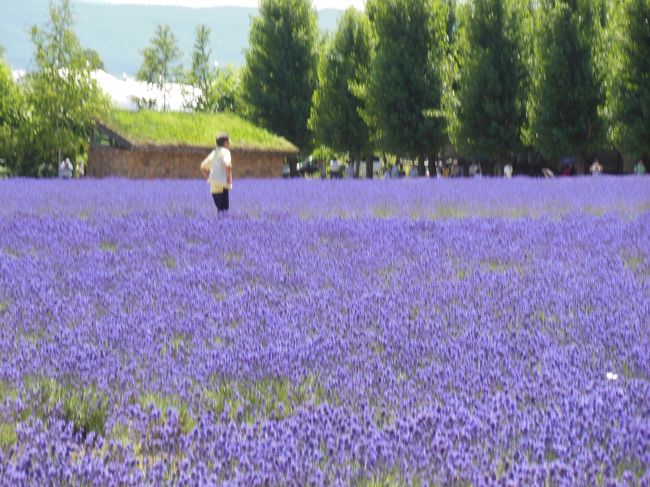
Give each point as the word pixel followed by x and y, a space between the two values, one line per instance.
pixel 369 168
pixel 293 166
pixel 421 168
pixel 357 165
pixel 432 164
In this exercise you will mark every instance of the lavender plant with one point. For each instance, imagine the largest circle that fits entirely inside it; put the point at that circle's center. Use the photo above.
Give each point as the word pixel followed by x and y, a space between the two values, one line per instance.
pixel 327 333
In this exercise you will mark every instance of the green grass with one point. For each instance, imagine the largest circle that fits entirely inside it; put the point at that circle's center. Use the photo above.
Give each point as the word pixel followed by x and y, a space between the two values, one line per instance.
pixel 85 407
pixel 164 403
pixel 170 262
pixel 633 262
pixel 8 436
pixel 191 129
pixel 391 478
pixel 269 398
pixel 108 246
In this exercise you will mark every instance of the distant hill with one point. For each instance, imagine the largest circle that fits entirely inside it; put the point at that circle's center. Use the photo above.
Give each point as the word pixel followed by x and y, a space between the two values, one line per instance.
pixel 119 32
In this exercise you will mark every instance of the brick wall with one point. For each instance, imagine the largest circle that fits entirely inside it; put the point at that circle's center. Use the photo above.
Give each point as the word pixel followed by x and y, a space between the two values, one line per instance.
pixel 177 162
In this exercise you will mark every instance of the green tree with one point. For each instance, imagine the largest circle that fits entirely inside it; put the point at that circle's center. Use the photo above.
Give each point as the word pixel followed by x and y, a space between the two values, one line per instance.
pixel 159 65
pixel 12 120
pixel 93 59
pixel 64 99
pixel 279 77
pixel 491 106
pixel 629 93
pixel 567 92
pixel 201 74
pixel 405 84
pixel 335 116
pixel 225 90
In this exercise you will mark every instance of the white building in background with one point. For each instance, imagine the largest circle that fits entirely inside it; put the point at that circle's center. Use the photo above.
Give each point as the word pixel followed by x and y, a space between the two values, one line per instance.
pixel 131 94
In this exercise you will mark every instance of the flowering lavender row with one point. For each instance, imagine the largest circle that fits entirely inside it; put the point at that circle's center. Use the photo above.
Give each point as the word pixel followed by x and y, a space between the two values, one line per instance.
pixel 325 332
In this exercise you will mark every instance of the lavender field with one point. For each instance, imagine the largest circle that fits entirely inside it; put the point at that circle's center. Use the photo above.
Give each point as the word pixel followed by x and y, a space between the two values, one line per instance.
pixel 476 332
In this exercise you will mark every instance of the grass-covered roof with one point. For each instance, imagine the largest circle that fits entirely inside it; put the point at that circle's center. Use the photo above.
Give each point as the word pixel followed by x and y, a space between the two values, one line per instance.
pixel 191 129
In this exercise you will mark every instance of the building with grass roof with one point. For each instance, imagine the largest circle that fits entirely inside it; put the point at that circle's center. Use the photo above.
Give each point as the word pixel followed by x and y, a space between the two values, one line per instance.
pixel 152 145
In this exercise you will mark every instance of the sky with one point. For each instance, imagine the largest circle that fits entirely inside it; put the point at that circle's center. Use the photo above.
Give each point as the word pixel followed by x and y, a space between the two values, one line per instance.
pixel 320 4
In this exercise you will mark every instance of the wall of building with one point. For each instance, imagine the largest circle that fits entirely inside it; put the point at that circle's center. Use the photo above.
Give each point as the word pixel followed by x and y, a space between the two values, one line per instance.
pixel 177 162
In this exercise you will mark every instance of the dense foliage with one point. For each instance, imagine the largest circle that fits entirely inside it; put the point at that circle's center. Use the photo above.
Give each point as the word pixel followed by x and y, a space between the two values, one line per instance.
pixel 567 98
pixel 280 73
pixel 405 83
pixel 337 105
pixel 12 120
pixel 319 335
pixel 630 82
pixel 52 114
pixel 498 78
pixel 490 110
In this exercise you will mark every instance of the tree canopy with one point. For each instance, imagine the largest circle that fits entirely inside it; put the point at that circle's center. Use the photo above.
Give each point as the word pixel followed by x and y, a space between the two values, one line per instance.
pixel 405 83
pixel 280 73
pixel 336 112
pixel 160 60
pixel 12 119
pixel 565 109
pixel 491 102
pixel 201 74
pixel 629 96
pixel 63 97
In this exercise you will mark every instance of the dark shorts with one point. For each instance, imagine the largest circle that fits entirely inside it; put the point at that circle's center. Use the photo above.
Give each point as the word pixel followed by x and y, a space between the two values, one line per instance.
pixel 221 200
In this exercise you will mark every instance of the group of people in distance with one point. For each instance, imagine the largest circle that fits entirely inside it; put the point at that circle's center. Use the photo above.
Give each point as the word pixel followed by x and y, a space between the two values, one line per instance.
pixel 66 169
pixel 452 168
pixel 217 169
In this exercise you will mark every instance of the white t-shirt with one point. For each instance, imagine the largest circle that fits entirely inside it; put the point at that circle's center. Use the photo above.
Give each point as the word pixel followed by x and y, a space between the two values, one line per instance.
pixel 65 169
pixel 217 162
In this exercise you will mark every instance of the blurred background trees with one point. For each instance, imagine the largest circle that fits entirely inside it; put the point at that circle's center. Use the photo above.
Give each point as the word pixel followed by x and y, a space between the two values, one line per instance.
pixel 280 75
pixel 404 87
pixel 160 61
pixel 629 78
pixel 52 113
pixel 497 78
pixel 337 105
pixel 567 100
pixel 490 104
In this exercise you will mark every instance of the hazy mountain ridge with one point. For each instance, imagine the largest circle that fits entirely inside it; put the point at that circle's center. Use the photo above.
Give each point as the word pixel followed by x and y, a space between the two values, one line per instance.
pixel 119 32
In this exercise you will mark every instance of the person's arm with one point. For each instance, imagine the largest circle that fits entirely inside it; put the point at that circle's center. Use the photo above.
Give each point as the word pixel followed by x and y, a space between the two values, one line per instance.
pixel 205 165
pixel 227 162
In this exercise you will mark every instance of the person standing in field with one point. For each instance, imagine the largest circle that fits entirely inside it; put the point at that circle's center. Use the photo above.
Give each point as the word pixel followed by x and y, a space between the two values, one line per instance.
pixel 81 171
pixel 217 168
pixel 596 168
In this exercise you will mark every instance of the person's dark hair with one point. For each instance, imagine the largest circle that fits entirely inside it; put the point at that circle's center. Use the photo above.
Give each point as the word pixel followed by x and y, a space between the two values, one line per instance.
pixel 222 139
